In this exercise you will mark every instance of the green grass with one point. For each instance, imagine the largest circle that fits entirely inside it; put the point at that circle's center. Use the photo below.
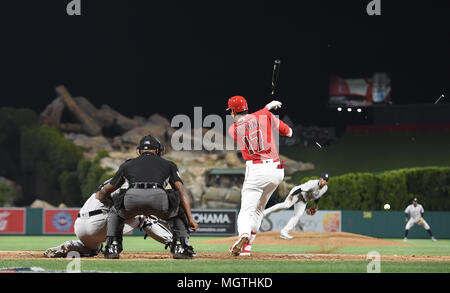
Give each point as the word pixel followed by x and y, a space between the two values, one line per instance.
pixel 239 265
pixel 374 152
pixel 232 266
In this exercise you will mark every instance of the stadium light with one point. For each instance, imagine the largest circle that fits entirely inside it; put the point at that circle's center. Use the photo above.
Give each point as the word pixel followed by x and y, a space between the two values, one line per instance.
pixel 359 110
pixel 339 109
pixel 349 109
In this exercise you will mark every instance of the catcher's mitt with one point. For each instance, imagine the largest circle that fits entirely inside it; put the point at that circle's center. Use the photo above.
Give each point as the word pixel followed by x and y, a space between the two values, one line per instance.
pixel 311 211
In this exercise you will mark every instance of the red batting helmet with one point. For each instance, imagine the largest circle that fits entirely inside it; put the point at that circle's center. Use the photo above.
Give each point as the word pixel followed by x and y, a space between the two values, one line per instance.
pixel 237 103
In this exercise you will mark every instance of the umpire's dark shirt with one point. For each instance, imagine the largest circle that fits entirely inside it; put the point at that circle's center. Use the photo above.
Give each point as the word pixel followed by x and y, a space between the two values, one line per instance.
pixel 147 168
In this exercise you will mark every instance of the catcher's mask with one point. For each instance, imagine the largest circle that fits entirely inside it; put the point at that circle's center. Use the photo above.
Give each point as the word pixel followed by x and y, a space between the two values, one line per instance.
pixel 149 142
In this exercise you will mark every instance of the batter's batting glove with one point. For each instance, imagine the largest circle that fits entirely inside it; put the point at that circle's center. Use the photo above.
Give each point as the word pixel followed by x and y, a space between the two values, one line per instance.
pixel 273 105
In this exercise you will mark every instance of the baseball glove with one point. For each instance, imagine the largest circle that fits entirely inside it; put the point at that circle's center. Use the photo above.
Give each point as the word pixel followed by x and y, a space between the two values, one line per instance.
pixel 311 211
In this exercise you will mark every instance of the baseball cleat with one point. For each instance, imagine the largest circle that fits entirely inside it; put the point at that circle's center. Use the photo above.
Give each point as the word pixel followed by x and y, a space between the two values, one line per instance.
pixel 55 252
pixel 285 235
pixel 181 250
pixel 433 239
pixel 246 250
pixel 237 247
pixel 405 239
pixel 112 251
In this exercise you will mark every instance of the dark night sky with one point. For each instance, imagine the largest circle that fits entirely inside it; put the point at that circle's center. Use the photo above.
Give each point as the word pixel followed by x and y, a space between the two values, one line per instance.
pixel 142 57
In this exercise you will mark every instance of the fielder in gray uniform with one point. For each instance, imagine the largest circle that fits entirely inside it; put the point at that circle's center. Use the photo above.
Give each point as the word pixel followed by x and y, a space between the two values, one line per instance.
pixel 90 228
pixel 416 211
pixel 298 197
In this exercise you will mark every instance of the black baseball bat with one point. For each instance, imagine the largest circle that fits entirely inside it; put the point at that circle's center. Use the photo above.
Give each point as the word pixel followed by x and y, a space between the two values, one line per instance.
pixel 275 73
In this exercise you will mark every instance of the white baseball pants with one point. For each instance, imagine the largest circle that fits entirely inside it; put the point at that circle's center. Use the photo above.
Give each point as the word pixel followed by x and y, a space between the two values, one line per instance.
pixel 91 233
pixel 299 209
pixel 261 180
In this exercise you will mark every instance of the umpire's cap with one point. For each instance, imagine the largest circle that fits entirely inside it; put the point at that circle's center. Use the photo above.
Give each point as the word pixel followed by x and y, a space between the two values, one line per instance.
pixel 415 199
pixel 325 176
pixel 149 142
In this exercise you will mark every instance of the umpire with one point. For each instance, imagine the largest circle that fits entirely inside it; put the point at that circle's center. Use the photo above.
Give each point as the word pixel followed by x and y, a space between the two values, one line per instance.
pixel 148 176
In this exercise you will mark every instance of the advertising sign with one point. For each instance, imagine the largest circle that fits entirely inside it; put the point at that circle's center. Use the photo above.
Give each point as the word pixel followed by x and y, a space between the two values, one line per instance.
pixel 59 221
pixel 12 221
pixel 215 222
pixel 322 221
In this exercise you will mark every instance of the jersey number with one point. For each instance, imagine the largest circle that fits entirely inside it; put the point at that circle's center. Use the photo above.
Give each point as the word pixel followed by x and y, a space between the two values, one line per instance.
pixel 254 141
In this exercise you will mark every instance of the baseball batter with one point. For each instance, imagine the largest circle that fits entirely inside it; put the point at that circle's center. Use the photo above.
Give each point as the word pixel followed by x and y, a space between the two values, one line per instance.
pixel 298 197
pixel 415 212
pixel 264 171
pixel 90 228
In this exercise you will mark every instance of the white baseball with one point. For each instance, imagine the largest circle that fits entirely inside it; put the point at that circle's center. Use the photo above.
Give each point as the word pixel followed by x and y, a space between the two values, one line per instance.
pixel 387 206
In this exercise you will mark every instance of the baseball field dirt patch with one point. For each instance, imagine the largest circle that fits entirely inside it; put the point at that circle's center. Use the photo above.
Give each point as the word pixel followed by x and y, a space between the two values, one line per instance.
pixel 131 256
pixel 323 248
pixel 331 239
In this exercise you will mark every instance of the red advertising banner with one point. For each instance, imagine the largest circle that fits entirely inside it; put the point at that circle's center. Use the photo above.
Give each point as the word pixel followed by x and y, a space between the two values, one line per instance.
pixel 12 221
pixel 59 221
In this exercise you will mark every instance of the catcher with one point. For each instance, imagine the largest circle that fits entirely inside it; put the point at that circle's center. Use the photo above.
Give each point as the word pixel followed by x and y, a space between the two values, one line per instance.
pixel 90 228
pixel 416 211
pixel 299 196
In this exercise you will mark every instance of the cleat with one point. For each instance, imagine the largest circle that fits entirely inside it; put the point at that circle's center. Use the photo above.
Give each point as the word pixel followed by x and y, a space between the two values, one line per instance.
pixel 112 249
pixel 246 250
pixel 433 239
pixel 405 239
pixel 285 235
pixel 58 251
pixel 181 250
pixel 237 247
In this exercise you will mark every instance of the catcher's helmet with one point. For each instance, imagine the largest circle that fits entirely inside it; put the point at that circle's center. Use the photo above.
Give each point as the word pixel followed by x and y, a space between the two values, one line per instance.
pixel 325 176
pixel 237 103
pixel 149 142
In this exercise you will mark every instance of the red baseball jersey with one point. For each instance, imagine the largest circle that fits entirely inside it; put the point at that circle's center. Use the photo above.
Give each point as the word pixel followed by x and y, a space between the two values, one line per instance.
pixel 254 137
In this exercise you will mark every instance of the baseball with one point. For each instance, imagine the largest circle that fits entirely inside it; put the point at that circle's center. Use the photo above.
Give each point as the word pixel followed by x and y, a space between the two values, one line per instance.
pixel 387 206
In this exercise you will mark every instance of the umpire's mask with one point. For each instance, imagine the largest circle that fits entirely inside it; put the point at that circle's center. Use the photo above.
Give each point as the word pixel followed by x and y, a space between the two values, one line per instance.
pixel 149 142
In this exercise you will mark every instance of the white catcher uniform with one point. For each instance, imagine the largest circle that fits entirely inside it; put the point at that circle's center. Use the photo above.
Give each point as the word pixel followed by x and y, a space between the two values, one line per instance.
pixel 90 228
pixel 310 191
pixel 415 217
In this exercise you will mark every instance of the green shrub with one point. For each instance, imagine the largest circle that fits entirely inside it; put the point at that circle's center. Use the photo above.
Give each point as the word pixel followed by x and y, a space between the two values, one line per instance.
pixel 7 194
pixel 367 191
pixel 47 155
pixel 12 121
pixel 91 175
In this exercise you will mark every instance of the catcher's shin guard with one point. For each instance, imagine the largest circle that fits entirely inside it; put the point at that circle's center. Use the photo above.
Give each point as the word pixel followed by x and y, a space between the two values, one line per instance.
pixel 156 229
pixel 113 247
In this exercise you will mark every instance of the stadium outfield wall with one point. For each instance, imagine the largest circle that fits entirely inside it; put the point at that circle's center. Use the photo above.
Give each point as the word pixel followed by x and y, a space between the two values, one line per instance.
pixel 380 224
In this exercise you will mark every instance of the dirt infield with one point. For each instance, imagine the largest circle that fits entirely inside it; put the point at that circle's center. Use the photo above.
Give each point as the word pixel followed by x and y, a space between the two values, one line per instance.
pixel 327 243
pixel 127 256
pixel 332 239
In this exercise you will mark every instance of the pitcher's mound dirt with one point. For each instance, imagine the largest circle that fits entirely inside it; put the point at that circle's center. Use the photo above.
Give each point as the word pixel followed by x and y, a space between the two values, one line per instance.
pixel 313 238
